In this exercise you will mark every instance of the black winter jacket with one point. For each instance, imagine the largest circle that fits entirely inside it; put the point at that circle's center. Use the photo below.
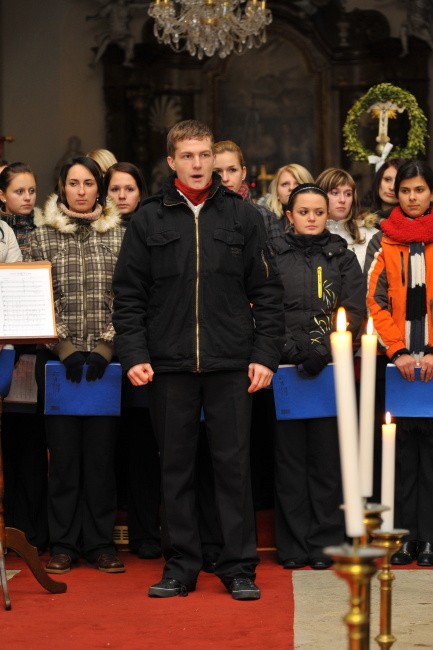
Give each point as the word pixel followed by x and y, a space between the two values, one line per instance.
pixel 319 275
pixel 183 286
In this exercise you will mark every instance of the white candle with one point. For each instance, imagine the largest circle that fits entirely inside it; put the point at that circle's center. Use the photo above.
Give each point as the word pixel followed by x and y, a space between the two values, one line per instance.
pixel 366 411
pixel 342 353
pixel 388 472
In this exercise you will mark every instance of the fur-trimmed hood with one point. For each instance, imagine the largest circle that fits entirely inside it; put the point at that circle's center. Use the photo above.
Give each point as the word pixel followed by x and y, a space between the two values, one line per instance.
pixel 54 217
pixel 38 217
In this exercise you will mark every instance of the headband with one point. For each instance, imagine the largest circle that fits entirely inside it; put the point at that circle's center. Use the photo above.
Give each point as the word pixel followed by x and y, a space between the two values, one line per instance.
pixel 305 187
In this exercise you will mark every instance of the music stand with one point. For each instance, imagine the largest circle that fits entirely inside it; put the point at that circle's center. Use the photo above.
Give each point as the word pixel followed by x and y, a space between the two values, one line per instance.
pixel 26 316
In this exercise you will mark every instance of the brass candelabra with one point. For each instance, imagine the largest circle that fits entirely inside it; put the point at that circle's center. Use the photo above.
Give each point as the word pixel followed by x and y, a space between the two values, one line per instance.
pixel 356 564
pixel 389 542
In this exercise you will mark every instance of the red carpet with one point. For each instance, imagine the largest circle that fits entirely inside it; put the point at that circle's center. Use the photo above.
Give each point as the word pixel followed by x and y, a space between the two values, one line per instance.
pixel 113 611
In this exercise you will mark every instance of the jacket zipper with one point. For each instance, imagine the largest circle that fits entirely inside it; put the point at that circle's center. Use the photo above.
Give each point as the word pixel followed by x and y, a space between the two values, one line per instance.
pixel 319 282
pixel 83 268
pixel 403 279
pixel 197 282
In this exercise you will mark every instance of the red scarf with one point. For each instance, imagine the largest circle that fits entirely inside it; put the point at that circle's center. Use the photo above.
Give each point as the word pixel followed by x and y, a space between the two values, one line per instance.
pixel 403 229
pixel 244 191
pixel 195 196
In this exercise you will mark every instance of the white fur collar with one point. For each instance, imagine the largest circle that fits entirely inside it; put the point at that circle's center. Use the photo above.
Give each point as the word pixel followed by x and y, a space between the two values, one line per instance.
pixel 54 217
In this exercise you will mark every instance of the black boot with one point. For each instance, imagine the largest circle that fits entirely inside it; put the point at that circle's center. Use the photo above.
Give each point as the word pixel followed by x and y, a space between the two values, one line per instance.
pixel 425 554
pixel 406 554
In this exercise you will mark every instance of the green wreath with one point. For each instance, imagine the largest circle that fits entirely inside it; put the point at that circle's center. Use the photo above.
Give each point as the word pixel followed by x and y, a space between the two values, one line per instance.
pixel 381 93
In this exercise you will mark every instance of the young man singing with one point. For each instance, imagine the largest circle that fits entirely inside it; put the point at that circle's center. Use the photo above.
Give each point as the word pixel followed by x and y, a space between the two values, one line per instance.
pixel 198 315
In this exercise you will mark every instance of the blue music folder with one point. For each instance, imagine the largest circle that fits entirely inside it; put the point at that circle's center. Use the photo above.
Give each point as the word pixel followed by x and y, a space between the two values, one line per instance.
pixel 411 399
pixel 7 361
pixel 64 397
pixel 297 397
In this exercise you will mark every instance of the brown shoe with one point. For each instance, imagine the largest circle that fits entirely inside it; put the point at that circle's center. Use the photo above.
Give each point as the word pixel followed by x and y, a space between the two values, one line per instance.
pixel 60 563
pixel 110 563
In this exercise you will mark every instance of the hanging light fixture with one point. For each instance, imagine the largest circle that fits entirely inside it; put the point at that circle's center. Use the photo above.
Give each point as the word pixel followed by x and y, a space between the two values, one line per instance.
pixel 208 27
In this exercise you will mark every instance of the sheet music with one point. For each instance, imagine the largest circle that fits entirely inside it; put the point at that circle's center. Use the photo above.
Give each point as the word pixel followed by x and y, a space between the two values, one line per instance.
pixel 25 303
pixel 23 388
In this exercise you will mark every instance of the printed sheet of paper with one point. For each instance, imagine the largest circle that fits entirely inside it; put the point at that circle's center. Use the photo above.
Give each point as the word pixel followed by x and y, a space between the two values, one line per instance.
pixel 23 389
pixel 26 302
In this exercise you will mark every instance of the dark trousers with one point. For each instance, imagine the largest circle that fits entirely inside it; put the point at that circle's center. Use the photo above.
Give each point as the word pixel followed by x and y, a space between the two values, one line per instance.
pixel 262 449
pixel 308 492
pixel 82 503
pixel 379 419
pixel 141 475
pixel 209 523
pixel 414 477
pixel 25 466
pixel 175 403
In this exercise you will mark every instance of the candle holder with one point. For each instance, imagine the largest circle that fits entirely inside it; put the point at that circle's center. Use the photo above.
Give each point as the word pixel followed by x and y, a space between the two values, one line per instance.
pixel 390 542
pixel 356 565
pixel 372 520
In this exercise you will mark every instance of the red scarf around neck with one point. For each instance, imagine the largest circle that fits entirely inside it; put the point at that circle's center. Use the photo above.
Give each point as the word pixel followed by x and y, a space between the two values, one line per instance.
pixel 405 230
pixel 195 196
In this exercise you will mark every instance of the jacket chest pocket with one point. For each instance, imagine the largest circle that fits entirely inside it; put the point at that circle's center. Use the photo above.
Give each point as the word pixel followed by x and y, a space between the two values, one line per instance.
pixel 164 253
pixel 229 248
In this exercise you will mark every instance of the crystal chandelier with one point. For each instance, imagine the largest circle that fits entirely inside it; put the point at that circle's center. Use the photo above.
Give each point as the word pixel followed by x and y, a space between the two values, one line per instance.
pixel 208 27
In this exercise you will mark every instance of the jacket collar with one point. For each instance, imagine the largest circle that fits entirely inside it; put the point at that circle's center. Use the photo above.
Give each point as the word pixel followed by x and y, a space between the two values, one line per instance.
pixel 169 195
pixel 55 218
pixel 325 243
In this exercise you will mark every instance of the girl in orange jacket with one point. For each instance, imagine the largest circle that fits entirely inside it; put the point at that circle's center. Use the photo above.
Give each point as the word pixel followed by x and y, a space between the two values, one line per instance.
pixel 399 270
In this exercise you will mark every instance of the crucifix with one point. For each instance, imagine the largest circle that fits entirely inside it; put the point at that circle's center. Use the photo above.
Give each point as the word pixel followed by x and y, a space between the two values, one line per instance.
pixel 384 111
pixel 264 178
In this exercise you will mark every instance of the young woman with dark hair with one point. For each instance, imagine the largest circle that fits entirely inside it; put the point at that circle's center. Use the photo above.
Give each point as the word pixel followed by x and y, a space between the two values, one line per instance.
pixel 381 198
pixel 137 458
pixel 17 199
pixel 80 234
pixel 124 184
pixel 23 434
pixel 319 275
pixel 400 298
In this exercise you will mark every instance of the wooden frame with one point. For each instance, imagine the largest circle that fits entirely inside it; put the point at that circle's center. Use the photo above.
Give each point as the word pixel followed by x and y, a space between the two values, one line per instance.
pixel 26 303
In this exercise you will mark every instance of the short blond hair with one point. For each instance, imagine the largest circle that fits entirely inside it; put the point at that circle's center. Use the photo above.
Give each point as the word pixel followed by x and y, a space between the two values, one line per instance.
pixel 103 157
pixel 187 130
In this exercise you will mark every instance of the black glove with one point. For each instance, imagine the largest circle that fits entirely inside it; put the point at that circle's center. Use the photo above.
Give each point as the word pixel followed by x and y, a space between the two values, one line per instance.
pixel 74 366
pixel 292 354
pixel 96 366
pixel 299 357
pixel 313 364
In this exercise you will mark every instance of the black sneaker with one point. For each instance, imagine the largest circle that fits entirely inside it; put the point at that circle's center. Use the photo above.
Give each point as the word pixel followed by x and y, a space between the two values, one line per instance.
pixel 149 551
pixel 168 587
pixel 243 588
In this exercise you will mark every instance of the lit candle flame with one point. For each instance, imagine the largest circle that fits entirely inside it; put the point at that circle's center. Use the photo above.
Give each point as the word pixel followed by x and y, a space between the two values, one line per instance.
pixel 341 320
pixel 369 329
pixel 388 417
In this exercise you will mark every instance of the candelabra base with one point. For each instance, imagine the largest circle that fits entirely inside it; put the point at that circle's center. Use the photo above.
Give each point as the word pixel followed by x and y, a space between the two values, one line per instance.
pixel 356 565
pixel 390 542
